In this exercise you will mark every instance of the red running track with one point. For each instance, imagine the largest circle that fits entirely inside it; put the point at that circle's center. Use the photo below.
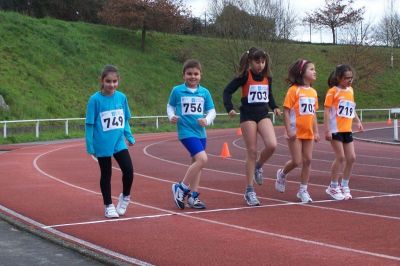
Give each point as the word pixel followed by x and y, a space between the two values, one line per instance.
pixel 55 188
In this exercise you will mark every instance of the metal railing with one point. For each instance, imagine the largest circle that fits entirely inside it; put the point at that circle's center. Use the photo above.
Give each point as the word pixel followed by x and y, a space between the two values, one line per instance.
pixel 156 118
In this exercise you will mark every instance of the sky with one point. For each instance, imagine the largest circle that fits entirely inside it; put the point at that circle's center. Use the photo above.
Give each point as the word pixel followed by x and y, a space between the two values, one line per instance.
pixel 374 11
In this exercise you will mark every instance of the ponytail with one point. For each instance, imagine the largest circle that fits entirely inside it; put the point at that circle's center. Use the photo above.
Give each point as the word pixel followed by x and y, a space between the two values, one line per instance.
pixel 254 54
pixel 338 74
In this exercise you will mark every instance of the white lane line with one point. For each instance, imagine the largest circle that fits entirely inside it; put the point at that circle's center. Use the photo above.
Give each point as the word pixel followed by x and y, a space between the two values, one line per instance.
pixel 358 155
pixel 228 225
pixel 75 240
pixel 238 174
pixel 69 237
pixel 200 212
pixel 330 152
pixel 110 220
pixel 312 170
pixel 284 202
pixel 235 144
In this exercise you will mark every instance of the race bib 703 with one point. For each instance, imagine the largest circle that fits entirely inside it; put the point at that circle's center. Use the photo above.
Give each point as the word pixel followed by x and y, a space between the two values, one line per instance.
pixel 113 119
pixel 258 94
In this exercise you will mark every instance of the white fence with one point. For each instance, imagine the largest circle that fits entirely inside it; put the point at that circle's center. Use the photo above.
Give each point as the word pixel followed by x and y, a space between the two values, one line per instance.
pixel 37 122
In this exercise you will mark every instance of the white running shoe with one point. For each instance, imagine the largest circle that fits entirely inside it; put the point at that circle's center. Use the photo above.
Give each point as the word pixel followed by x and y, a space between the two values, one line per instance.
pixel 335 193
pixel 280 182
pixel 304 196
pixel 110 212
pixel 346 193
pixel 123 203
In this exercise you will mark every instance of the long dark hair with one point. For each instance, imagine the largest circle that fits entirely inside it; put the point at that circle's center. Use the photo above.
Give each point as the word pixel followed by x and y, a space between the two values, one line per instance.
pixel 296 71
pixel 254 54
pixel 337 75
pixel 107 69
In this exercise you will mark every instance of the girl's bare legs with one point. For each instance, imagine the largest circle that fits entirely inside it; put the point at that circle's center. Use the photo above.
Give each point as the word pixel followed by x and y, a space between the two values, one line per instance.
pixel 307 149
pixel 249 132
pixel 350 158
pixel 267 133
pixel 295 148
pixel 333 189
pixel 337 164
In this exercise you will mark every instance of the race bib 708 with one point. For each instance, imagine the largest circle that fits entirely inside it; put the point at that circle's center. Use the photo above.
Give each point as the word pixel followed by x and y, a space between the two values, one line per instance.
pixel 307 105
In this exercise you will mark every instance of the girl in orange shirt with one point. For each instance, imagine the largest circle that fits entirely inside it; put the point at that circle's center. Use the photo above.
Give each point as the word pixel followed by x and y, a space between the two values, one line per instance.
pixel 339 112
pixel 300 120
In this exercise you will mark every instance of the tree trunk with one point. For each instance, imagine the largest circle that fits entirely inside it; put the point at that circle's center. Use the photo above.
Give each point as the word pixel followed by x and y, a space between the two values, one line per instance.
pixel 142 45
pixel 333 35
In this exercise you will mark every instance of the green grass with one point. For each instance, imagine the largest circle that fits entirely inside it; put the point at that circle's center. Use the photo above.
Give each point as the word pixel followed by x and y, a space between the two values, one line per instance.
pixel 49 68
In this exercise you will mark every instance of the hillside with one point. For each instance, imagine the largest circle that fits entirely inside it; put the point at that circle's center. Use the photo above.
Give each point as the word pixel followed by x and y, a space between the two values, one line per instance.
pixel 49 68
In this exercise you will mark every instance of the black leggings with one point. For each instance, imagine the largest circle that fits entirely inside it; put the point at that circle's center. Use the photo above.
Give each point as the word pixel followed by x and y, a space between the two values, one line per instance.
pixel 125 163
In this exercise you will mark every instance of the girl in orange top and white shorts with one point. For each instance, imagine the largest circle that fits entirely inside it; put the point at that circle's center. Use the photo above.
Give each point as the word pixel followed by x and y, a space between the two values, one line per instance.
pixel 339 112
pixel 300 104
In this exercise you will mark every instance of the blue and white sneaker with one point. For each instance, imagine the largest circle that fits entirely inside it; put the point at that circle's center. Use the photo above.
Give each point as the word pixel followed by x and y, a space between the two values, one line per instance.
pixel 194 201
pixel 179 194
pixel 251 199
pixel 258 176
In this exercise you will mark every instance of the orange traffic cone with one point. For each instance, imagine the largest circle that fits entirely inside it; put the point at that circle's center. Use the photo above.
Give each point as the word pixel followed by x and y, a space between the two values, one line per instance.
pixel 225 151
pixel 239 132
pixel 389 122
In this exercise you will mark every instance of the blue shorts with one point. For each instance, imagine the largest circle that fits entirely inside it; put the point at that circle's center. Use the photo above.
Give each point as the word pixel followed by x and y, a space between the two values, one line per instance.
pixel 194 145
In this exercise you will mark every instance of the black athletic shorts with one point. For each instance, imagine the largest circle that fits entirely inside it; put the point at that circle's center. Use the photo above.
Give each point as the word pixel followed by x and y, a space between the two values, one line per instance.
pixel 253 113
pixel 345 137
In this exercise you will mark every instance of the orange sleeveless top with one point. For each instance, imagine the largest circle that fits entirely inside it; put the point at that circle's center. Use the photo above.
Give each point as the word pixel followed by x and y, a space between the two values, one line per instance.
pixel 250 82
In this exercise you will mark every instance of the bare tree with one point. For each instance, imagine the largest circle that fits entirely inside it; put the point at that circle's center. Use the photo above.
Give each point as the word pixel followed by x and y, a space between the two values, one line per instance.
pixel 358 33
pixel 388 30
pixel 358 52
pixel 335 14
pixel 263 13
pixel 159 15
pixel 256 23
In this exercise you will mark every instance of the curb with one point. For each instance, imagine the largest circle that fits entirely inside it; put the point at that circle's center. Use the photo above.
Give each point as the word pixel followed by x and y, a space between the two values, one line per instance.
pixel 107 260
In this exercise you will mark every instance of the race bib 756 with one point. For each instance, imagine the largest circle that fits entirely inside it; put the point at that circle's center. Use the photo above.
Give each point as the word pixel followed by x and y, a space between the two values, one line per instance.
pixel 192 105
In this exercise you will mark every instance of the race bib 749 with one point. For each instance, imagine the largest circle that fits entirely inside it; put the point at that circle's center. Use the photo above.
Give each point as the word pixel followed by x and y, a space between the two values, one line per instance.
pixel 113 119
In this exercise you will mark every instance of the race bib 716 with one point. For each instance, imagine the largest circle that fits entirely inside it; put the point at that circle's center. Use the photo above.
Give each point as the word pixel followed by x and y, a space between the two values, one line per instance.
pixel 113 119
